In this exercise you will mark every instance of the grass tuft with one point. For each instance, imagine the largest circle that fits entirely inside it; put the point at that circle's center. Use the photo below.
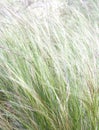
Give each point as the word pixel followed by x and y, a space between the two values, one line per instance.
pixel 49 65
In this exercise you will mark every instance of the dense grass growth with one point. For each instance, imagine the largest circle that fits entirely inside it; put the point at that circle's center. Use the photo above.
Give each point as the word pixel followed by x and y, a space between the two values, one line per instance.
pixel 49 65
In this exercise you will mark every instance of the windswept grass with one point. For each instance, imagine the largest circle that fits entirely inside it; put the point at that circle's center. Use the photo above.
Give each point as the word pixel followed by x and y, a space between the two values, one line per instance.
pixel 49 65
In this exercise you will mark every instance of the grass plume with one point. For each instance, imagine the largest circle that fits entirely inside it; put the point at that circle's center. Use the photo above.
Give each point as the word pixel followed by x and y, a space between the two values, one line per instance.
pixel 49 65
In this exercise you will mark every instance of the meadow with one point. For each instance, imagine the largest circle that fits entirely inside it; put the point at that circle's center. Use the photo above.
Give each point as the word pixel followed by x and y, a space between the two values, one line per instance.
pixel 49 65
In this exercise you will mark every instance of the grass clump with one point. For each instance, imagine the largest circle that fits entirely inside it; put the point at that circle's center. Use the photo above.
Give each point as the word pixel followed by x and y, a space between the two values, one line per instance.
pixel 49 66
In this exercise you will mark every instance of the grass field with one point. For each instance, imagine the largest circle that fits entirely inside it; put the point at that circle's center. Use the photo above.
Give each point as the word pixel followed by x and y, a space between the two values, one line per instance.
pixel 49 65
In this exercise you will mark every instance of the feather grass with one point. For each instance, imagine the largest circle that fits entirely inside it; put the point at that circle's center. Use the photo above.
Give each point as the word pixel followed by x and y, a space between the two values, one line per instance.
pixel 49 66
